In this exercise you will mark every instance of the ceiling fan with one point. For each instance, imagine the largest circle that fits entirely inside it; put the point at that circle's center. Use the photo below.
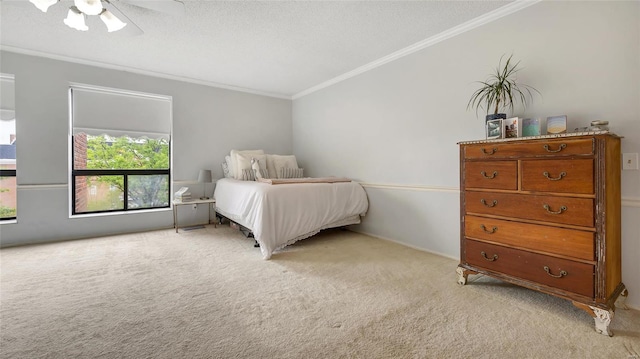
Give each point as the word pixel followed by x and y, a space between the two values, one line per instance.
pixel 112 17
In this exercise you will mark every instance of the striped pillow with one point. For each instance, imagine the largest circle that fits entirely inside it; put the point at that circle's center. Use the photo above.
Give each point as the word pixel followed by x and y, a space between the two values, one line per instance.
pixel 288 172
pixel 249 175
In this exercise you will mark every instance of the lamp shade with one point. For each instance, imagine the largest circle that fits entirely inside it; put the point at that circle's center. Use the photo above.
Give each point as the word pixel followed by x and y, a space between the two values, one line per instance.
pixel 75 19
pixel 112 22
pixel 204 176
pixel 43 5
pixel 89 7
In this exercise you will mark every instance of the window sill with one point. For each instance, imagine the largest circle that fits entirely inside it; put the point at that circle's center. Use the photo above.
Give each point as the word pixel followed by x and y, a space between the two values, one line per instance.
pixel 122 213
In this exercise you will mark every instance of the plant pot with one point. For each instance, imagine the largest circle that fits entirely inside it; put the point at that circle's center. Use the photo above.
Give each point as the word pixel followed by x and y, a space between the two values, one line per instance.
pixel 495 116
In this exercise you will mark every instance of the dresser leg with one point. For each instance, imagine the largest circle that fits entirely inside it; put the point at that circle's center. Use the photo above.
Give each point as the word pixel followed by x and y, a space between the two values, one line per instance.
pixel 603 319
pixel 462 275
pixel 622 299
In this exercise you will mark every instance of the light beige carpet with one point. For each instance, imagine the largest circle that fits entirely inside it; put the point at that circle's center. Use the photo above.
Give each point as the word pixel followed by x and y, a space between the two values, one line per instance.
pixel 208 294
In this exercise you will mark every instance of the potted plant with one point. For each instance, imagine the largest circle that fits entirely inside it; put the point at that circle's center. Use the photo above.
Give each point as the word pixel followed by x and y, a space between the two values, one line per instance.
pixel 501 90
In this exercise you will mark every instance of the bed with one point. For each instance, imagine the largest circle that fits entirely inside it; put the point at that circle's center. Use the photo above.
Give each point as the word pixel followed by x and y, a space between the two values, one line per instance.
pixel 281 214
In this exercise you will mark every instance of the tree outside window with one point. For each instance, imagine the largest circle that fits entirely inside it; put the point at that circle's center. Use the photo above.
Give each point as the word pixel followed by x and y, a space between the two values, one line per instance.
pixel 8 185
pixel 122 165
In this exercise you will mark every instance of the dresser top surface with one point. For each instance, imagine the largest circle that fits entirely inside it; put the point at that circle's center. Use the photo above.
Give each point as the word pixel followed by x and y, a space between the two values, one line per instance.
pixel 540 137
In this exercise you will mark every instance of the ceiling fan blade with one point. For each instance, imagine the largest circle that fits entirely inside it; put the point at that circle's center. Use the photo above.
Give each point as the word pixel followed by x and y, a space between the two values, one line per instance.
pixel 131 28
pixel 171 7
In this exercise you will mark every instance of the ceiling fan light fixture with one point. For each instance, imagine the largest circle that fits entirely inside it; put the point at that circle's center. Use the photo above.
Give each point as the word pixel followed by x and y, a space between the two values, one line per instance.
pixel 112 22
pixel 89 7
pixel 43 5
pixel 75 19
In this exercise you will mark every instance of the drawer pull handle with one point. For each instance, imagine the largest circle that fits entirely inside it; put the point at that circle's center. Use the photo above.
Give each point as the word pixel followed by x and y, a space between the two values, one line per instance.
pixel 562 147
pixel 493 204
pixel 484 255
pixel 493 150
pixel 562 209
pixel 562 273
pixel 493 230
pixel 562 174
pixel 484 174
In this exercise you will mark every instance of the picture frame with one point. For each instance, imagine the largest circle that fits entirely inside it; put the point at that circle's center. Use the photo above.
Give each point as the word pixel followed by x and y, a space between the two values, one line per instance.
pixel 493 129
pixel 556 124
pixel 531 127
pixel 511 127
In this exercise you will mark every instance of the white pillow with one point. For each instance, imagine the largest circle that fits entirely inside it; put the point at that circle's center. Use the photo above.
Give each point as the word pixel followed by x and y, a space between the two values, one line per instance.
pixel 225 170
pixel 276 162
pixel 235 170
pixel 259 173
pixel 229 173
pixel 244 162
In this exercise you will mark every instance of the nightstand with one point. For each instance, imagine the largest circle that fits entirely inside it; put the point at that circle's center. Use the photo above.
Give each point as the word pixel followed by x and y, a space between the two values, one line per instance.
pixel 176 203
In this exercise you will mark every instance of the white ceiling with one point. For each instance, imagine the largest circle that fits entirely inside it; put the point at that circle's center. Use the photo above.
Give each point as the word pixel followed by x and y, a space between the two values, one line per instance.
pixel 280 48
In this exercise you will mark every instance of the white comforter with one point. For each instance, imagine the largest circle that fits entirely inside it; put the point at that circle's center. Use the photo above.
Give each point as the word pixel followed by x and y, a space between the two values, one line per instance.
pixel 279 215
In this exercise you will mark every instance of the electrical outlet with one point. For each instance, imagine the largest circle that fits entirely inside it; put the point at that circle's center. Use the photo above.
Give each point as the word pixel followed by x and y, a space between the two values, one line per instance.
pixel 629 161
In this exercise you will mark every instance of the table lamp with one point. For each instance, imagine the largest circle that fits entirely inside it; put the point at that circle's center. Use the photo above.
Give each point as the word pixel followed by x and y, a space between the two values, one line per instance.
pixel 204 177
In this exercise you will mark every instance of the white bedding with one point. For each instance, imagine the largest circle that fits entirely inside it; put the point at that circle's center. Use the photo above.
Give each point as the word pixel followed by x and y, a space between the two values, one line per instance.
pixel 279 215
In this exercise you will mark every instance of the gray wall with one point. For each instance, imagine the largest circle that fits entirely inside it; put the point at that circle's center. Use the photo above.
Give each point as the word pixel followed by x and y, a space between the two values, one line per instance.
pixel 395 128
pixel 207 123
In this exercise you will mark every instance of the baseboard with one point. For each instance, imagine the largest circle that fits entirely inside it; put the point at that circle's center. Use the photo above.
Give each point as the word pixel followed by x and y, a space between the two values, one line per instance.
pixel 404 244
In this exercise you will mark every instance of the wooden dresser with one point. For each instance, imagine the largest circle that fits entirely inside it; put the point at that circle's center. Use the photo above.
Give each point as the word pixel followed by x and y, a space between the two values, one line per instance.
pixel 544 214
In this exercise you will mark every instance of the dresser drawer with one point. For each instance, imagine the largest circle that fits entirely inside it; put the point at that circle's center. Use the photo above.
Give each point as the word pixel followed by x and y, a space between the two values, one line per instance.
pixel 491 174
pixel 539 148
pixel 566 242
pixel 562 176
pixel 558 273
pixel 565 210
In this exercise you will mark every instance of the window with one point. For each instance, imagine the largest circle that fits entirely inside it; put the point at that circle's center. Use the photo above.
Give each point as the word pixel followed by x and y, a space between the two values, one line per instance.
pixel 120 150
pixel 8 184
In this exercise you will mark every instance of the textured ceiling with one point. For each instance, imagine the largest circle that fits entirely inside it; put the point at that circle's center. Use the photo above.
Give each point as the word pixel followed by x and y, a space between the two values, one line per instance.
pixel 275 47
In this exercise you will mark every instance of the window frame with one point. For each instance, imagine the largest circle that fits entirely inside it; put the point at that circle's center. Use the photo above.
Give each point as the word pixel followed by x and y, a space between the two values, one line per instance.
pixel 125 173
pixel 4 172
pixel 9 173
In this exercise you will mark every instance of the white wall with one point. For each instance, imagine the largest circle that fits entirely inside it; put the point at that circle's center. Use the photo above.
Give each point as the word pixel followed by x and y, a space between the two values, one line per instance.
pixel 207 123
pixel 395 128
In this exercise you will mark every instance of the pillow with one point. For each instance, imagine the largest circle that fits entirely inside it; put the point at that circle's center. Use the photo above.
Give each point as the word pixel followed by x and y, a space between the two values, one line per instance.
pixel 227 160
pixel 244 162
pixel 276 162
pixel 225 170
pixel 235 170
pixel 288 172
pixel 248 174
pixel 257 171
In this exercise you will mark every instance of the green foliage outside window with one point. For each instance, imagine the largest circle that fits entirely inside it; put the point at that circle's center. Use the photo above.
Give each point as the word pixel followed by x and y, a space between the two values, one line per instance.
pixel 123 153
pixel 6 212
pixel 127 153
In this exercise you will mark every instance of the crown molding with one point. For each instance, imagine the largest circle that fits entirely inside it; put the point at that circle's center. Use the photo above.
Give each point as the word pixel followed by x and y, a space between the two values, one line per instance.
pixel 104 65
pixel 494 15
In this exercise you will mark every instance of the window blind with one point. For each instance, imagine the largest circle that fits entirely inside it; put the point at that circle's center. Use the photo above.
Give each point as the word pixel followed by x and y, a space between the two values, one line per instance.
pixel 97 111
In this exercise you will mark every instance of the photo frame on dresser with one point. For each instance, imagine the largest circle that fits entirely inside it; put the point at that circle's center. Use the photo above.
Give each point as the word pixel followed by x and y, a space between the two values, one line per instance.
pixel 531 127
pixel 511 127
pixel 556 124
pixel 493 129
